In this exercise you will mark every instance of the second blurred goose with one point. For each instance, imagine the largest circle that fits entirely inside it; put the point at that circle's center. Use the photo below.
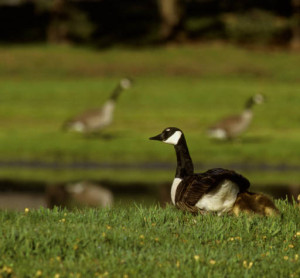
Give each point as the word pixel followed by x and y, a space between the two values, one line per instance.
pixel 233 126
pixel 95 120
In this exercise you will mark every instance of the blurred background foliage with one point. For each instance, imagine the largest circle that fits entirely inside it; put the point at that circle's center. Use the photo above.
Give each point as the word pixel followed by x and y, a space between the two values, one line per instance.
pixel 108 22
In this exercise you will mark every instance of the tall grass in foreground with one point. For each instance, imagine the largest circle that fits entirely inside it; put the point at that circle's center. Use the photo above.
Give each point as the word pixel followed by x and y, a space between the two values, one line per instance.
pixel 148 242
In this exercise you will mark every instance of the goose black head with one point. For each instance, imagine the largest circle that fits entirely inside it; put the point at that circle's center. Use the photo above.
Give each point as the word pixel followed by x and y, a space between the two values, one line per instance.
pixel 125 83
pixel 256 99
pixel 170 135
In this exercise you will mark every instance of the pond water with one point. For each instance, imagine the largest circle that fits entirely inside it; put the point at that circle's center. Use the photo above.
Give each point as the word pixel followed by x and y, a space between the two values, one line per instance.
pixel 16 195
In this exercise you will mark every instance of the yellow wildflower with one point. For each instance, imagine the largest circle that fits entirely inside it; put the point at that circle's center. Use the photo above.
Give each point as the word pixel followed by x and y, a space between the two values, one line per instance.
pixel 291 246
pixel 246 265
pixel 296 257
pixel 7 269
pixel 212 262
pixel 38 273
pixel 103 234
pixel 108 227
pixel 142 236
pixel 285 258
pixel 75 247
pixel 153 224
pixel 26 210
pixel 56 275
pixel 125 276
pixel 156 239
pixel 196 257
pixel 298 234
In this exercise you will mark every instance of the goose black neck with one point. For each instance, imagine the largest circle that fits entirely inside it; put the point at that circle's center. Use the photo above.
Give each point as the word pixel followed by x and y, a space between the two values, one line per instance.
pixel 249 103
pixel 185 165
pixel 115 94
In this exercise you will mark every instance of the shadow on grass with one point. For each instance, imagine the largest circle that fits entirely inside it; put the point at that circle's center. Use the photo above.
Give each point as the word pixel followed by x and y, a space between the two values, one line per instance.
pixel 244 140
pixel 102 136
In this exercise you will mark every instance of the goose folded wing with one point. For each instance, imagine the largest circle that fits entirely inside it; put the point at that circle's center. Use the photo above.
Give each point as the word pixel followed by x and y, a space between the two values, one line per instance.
pixel 192 188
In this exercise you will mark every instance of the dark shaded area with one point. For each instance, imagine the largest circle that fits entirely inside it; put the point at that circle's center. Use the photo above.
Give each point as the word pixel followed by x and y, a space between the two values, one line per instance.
pixel 107 22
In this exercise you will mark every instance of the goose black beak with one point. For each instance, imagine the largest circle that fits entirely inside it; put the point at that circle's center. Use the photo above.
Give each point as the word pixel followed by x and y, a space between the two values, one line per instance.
pixel 157 137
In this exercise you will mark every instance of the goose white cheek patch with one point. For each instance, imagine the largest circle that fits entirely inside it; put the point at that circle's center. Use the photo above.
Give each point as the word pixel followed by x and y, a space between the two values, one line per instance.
pixel 173 140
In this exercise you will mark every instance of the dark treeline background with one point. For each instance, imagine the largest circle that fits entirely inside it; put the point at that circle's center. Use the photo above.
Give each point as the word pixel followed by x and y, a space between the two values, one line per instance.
pixel 107 22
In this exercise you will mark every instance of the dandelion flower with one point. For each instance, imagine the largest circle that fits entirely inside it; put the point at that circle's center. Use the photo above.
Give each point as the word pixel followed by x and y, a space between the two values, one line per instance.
pixel 177 264
pixel 7 269
pixel 246 265
pixel 108 227
pixel 285 258
pixel 298 234
pixel 296 257
pixel 26 210
pixel 291 246
pixel 56 275
pixel 125 276
pixel 196 257
pixel 142 236
pixel 38 273
pixel 212 262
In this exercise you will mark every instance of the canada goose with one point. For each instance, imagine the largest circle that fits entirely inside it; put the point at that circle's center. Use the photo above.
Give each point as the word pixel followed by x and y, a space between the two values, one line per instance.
pixel 216 190
pixel 96 119
pixel 232 126
pixel 82 193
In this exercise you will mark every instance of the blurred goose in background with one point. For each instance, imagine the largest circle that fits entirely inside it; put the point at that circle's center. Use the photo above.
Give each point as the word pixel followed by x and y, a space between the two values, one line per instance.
pixel 216 190
pixel 232 126
pixel 95 120
pixel 81 193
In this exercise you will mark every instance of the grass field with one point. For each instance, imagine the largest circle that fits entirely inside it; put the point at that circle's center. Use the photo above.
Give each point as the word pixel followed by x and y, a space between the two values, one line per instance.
pixel 148 242
pixel 189 87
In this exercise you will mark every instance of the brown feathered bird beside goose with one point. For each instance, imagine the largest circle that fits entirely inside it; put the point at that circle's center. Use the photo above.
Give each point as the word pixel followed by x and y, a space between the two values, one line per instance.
pixel 217 190
pixel 94 120
pixel 233 126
